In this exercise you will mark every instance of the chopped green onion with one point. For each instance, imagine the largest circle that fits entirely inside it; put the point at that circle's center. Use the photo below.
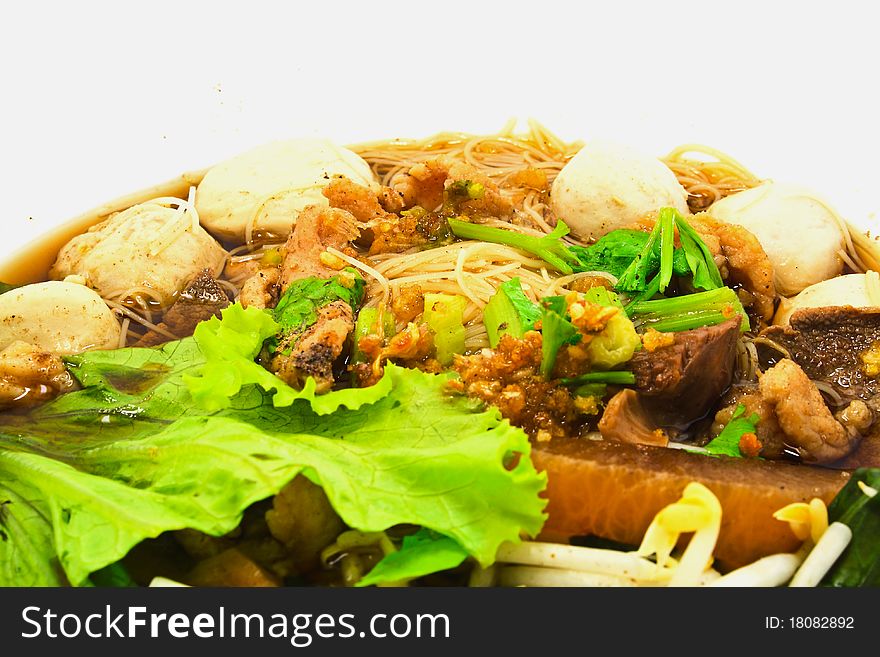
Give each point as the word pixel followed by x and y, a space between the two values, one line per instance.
pixel 444 316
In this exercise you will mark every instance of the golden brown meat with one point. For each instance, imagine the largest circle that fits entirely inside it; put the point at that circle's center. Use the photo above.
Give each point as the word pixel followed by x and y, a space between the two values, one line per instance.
pixel 360 201
pixel 316 230
pixel 261 290
pixel 302 519
pixel 804 417
pixel 312 352
pixel 432 183
pixel 30 376
pixel 747 263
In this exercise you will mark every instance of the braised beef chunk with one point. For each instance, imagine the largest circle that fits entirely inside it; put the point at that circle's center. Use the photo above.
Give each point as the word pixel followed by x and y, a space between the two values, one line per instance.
pixel 679 383
pixel 626 421
pixel 202 299
pixel 835 345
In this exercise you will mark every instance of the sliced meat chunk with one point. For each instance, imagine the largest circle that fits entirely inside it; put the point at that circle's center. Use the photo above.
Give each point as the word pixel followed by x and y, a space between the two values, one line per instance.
pixel 201 299
pixel 31 376
pixel 806 420
pixel 432 183
pixel 834 345
pixel 313 352
pixel 746 261
pixel 360 201
pixel 262 289
pixel 317 229
pixel 679 383
pixel 625 420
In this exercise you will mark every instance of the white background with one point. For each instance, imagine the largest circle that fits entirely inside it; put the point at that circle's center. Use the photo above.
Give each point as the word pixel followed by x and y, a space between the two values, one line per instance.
pixel 100 99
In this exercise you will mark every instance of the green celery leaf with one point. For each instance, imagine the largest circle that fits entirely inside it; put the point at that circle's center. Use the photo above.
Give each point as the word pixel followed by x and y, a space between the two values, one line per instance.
pixel 556 331
pixel 422 553
pixel 726 443
pixel 699 257
pixel 859 565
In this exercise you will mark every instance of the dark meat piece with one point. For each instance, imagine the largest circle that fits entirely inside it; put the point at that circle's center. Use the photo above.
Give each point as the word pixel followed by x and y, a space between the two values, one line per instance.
pixel 626 421
pixel 313 351
pixel 680 383
pixel 831 345
pixel 200 300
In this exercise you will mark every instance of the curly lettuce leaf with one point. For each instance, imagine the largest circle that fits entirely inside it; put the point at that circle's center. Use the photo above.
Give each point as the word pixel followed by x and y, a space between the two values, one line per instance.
pixel 87 477
pixel 229 347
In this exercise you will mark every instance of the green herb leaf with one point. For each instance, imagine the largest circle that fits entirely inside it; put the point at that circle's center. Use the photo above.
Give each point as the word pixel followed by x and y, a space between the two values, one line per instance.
pixel 422 553
pixel 699 257
pixel 726 443
pixel 556 331
pixel 509 311
pixel 859 565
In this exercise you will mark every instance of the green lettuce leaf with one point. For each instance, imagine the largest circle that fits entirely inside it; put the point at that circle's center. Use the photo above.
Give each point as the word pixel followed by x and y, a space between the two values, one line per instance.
pixel 859 565
pixel 85 478
pixel 422 553
pixel 229 346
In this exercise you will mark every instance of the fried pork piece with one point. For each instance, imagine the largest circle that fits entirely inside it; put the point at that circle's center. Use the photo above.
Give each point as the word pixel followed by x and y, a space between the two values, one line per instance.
pixel 360 201
pixel 806 420
pixel 508 377
pixel 316 230
pixel 794 417
pixel 746 261
pixel 31 376
pixel 200 300
pixel 431 183
pixel 303 520
pixel 312 352
pixel 261 290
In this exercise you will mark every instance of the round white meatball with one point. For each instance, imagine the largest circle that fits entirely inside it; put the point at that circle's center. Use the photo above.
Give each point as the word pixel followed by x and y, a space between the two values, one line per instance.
pixel 63 318
pixel 798 231
pixel 149 247
pixel 848 290
pixel 265 189
pixel 607 186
